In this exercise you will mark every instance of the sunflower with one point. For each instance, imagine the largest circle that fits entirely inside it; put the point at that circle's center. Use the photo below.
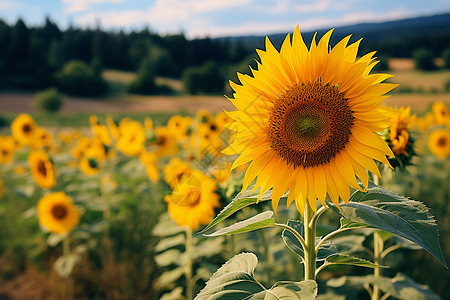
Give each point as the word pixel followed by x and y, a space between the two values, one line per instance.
pixel 132 137
pixel 89 166
pixel 439 143
pixel 57 213
pixel 42 138
pixel 441 113
pixel 113 128
pixel 24 129
pixel 149 161
pixel 399 139
pixel 165 143
pixel 7 148
pixel 41 169
pixel 307 120
pixel 175 171
pixel 192 203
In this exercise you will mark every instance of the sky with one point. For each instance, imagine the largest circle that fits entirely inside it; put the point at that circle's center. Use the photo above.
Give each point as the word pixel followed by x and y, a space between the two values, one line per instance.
pixel 215 18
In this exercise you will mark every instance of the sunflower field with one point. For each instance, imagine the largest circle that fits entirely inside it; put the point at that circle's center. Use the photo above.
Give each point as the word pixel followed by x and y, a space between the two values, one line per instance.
pixel 311 189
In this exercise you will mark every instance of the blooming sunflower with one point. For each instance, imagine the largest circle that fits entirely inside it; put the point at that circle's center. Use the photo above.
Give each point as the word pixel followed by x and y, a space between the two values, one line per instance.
pixel 89 166
pixel 400 139
pixel 132 137
pixel 192 203
pixel 439 143
pixel 175 170
pixel 57 213
pixel 441 113
pixel 41 169
pixel 24 129
pixel 165 143
pixel 307 120
pixel 149 161
pixel 7 148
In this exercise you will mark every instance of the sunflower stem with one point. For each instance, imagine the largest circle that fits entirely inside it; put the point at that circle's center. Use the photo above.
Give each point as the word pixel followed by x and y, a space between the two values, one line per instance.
pixel 310 241
pixel 188 267
pixel 378 246
pixel 66 245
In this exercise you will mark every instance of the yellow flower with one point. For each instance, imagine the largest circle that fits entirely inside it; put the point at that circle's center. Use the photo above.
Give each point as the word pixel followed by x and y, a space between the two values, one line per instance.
pixel 165 143
pixel 204 116
pixel 175 171
pixel 149 161
pixel 223 173
pixel 89 166
pixel 441 113
pixel 148 123
pixel 7 148
pixel 192 203
pixel 439 143
pixel 24 129
pixel 179 126
pixel 113 128
pixel 57 213
pixel 399 131
pixel 221 120
pixel 307 120
pixel 42 138
pixel 132 137
pixel 101 133
pixel 41 169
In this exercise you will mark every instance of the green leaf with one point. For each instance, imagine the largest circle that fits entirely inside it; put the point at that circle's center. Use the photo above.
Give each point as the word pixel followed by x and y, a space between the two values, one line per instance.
pixel 242 200
pixel 347 224
pixel 291 240
pixel 235 280
pixel 261 220
pixel 65 264
pixel 385 210
pixel 339 259
pixel 399 287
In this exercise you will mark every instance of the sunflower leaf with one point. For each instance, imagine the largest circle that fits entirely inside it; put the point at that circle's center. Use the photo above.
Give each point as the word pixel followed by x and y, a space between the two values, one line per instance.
pixel 243 199
pixel 235 280
pixel 340 259
pixel 261 220
pixel 385 210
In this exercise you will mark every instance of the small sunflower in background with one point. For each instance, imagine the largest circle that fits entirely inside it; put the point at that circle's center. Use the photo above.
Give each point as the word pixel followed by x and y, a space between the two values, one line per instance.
pixel 192 202
pixel 307 120
pixel 149 160
pixel 175 171
pixel 41 169
pixel 24 129
pixel 57 213
pixel 43 138
pixel 441 113
pixel 400 138
pixel 439 143
pixel 165 143
pixel 7 149
pixel 89 165
pixel 132 137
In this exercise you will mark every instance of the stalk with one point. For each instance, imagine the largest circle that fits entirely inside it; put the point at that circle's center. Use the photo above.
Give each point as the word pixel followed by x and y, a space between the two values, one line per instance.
pixel 378 245
pixel 310 241
pixel 188 270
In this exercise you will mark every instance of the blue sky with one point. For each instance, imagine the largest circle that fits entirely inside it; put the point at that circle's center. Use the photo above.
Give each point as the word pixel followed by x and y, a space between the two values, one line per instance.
pixel 199 18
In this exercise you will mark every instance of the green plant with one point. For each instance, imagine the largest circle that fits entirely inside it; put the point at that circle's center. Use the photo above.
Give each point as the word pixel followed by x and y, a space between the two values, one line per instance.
pixel 203 79
pixel 49 100
pixel 423 59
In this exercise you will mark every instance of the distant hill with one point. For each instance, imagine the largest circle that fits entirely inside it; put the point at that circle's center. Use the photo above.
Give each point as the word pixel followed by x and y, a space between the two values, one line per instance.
pixel 396 38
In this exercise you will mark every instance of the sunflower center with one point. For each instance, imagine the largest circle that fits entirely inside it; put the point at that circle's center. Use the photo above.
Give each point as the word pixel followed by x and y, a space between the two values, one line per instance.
pixel 41 168
pixel 59 211
pixel 310 124
pixel 194 196
pixel 26 128
pixel 442 141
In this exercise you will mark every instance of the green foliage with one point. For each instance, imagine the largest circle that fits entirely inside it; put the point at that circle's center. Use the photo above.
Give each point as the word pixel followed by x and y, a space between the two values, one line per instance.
pixel 49 100
pixel 256 222
pixel 204 79
pixel 400 287
pixel 145 81
pixel 235 280
pixel 423 59
pixel 446 58
pixel 388 211
pixel 79 79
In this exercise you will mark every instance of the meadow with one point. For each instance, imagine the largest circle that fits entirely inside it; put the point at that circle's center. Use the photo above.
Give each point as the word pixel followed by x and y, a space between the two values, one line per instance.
pixel 123 161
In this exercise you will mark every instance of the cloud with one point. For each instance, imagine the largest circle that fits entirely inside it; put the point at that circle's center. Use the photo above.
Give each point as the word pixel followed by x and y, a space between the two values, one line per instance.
pixel 76 6
pixel 10 5
pixel 168 14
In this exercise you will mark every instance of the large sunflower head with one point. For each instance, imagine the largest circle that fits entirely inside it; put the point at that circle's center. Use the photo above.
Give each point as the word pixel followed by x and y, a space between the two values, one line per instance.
pixel 24 129
pixel 57 213
pixel 41 169
pixel 192 202
pixel 439 143
pixel 307 120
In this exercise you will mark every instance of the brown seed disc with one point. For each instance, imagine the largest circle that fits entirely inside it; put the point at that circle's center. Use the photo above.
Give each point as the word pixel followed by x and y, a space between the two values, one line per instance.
pixel 310 124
